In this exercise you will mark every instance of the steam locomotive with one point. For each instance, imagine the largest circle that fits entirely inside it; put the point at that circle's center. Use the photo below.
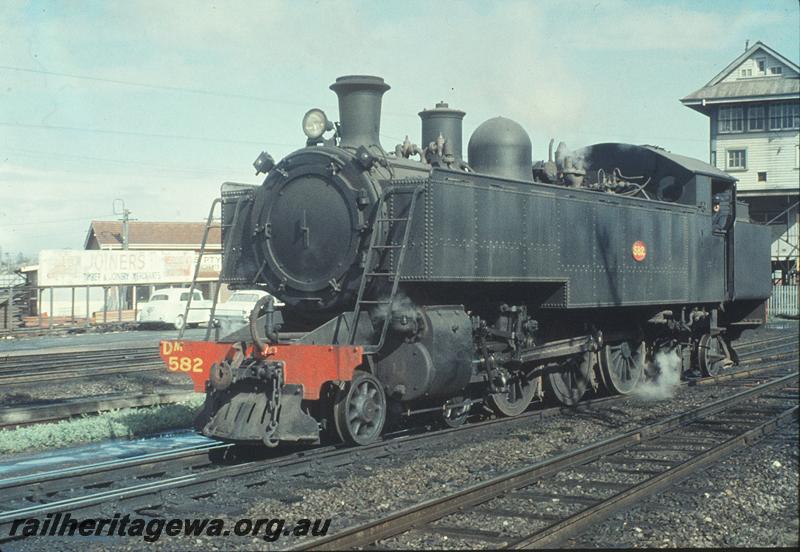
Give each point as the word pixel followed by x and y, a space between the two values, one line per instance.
pixel 442 287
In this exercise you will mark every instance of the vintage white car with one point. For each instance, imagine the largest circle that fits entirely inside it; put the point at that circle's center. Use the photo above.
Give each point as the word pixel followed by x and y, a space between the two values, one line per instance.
pixel 235 312
pixel 168 306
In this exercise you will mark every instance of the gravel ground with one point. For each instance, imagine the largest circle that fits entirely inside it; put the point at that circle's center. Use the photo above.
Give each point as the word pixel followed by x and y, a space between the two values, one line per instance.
pixel 354 493
pixel 748 500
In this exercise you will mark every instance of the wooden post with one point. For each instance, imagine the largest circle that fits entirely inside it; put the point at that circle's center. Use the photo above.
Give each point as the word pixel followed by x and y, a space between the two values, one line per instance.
pixel 88 314
pixel 72 307
pixel 50 320
pixel 105 304
pixel 9 318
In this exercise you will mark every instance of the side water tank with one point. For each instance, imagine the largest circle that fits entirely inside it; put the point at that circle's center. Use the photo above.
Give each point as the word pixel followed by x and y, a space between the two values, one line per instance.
pixel 501 147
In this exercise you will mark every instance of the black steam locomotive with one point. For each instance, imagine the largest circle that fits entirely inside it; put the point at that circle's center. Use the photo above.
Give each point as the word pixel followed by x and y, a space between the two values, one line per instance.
pixel 438 286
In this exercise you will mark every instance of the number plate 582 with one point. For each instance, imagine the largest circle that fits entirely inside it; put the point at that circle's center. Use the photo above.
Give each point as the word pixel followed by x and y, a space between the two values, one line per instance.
pixel 185 364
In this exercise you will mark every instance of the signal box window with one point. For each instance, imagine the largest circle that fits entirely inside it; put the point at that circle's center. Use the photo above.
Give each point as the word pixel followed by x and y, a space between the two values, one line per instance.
pixel 755 118
pixel 762 176
pixel 737 159
pixel 784 116
pixel 731 119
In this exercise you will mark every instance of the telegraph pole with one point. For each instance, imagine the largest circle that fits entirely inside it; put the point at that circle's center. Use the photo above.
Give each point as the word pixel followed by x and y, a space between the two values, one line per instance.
pixel 125 217
pixel 126 213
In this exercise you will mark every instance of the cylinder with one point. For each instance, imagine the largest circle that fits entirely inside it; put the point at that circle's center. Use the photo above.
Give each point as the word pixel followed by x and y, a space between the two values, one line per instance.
pixel 445 121
pixel 360 98
pixel 501 147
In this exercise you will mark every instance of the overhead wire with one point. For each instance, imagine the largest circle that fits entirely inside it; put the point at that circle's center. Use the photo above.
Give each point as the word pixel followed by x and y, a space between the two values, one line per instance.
pixel 59 221
pixel 152 86
pixel 119 163
pixel 141 134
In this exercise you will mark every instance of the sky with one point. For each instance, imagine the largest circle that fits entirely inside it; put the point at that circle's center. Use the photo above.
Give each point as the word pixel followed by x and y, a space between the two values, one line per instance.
pixel 158 103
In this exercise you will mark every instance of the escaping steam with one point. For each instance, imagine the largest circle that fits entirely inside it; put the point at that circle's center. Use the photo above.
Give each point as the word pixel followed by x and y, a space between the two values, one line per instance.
pixel 667 367
pixel 402 305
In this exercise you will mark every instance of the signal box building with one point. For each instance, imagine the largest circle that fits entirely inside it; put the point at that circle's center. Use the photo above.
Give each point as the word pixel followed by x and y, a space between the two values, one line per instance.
pixel 753 106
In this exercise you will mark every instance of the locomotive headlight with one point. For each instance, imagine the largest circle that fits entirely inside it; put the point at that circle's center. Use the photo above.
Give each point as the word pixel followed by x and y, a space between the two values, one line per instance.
pixel 315 123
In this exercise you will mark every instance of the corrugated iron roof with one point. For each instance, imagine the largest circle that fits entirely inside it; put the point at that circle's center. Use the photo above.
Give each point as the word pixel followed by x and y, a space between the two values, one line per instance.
pixel 691 164
pixel 746 88
pixel 156 234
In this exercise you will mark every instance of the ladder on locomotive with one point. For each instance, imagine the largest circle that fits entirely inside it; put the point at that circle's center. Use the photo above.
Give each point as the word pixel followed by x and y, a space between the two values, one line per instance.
pixel 209 225
pixel 374 248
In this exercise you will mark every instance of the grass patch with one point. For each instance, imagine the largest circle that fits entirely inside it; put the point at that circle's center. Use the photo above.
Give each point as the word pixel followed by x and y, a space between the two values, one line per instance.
pixel 126 423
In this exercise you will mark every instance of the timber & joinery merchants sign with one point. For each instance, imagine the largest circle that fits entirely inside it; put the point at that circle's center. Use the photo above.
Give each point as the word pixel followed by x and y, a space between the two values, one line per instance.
pixel 100 267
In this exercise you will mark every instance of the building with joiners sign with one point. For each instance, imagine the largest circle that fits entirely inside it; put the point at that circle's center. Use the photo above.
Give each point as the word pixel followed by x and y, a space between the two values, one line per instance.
pixel 162 236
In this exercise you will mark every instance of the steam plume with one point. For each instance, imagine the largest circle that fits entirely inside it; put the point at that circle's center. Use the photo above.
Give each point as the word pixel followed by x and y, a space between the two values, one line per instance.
pixel 667 366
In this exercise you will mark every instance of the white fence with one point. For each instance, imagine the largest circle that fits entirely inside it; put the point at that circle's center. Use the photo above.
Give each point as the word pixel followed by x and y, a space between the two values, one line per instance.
pixel 783 301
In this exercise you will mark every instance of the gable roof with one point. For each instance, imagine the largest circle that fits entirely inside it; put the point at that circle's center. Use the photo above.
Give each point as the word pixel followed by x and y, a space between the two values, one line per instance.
pixel 777 88
pixel 152 235
pixel 749 52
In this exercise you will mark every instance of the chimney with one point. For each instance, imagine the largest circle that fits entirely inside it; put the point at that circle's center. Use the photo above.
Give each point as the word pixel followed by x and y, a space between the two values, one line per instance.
pixel 445 121
pixel 359 109
pixel 746 45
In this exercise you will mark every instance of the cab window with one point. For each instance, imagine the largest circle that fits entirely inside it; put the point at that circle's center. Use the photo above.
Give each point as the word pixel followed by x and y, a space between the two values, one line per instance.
pixel 721 210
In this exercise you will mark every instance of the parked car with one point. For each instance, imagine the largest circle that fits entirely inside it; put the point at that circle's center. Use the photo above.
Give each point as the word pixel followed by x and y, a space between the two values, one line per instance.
pixel 168 306
pixel 235 312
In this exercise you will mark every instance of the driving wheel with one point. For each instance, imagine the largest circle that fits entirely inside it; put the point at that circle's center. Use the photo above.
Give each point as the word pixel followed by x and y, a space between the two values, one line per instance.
pixel 359 411
pixel 713 355
pixel 622 366
pixel 569 379
pixel 519 394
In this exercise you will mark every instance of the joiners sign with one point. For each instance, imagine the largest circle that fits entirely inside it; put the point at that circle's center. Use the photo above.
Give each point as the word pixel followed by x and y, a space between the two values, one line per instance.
pixel 101 268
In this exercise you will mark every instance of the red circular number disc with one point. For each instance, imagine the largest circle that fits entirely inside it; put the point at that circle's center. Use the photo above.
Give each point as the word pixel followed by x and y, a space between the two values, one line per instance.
pixel 639 251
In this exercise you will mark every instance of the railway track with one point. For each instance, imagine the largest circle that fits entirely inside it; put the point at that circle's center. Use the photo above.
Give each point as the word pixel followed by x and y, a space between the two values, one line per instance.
pixel 25 367
pixel 60 410
pixel 586 484
pixel 25 415
pixel 139 481
pixel 41 367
